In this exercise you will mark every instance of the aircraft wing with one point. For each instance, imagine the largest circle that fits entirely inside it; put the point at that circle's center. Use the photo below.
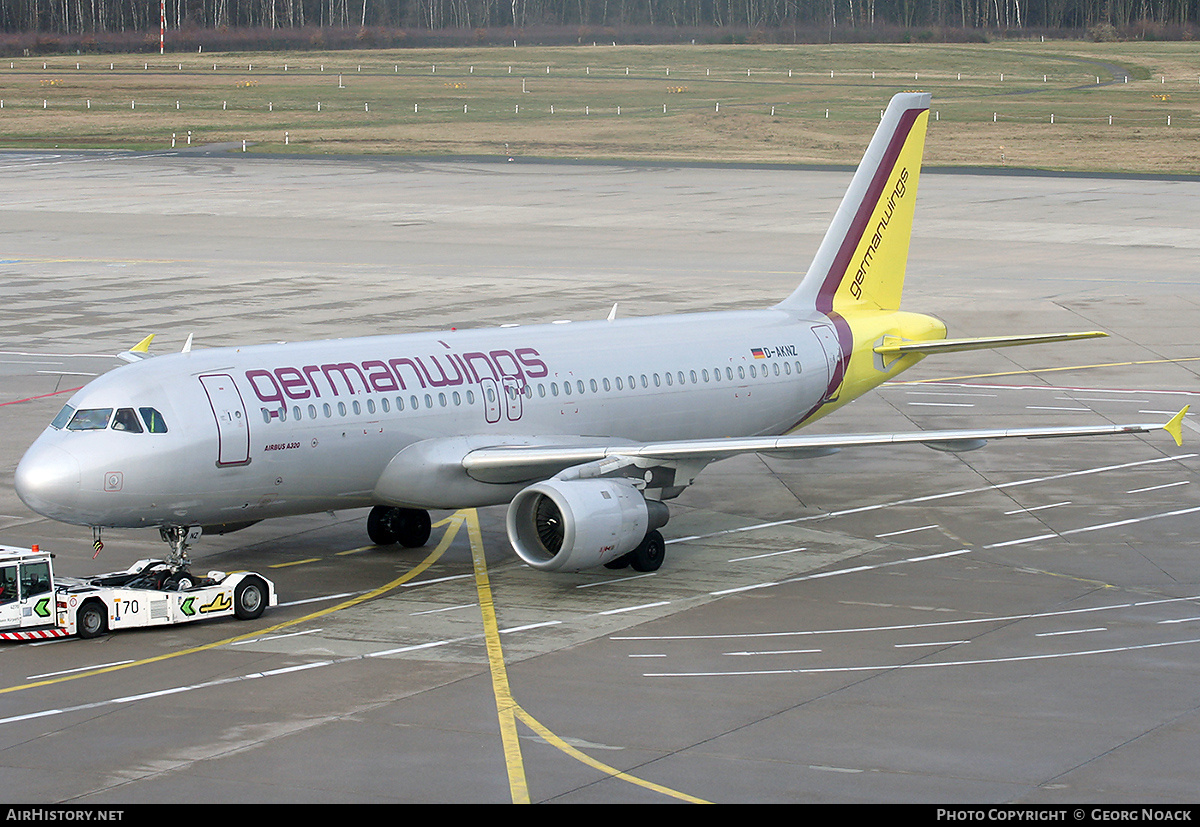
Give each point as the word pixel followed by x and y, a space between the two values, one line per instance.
pixel 517 463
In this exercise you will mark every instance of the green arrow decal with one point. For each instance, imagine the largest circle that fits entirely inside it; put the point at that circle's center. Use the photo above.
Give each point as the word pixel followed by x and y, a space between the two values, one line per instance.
pixel 42 607
pixel 186 606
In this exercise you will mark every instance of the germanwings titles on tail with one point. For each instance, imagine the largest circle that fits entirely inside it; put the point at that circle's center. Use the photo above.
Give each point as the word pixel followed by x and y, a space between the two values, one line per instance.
pixel 586 429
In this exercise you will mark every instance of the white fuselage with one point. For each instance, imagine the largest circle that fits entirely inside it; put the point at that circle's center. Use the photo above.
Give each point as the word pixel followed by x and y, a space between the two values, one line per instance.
pixel 273 430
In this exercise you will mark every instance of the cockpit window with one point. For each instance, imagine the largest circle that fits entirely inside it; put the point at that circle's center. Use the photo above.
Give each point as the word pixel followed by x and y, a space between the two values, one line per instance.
pixel 126 420
pixel 90 419
pixel 64 416
pixel 155 423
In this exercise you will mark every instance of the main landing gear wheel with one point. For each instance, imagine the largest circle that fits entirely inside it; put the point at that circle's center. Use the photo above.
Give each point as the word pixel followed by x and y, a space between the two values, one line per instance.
pixel 648 556
pixel 387 525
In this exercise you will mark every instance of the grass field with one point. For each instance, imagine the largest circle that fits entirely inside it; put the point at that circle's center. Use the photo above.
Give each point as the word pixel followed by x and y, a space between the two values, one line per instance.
pixel 1131 107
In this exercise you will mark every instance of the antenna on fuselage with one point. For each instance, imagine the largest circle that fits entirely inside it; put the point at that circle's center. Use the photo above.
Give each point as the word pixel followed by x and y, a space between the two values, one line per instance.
pixel 612 314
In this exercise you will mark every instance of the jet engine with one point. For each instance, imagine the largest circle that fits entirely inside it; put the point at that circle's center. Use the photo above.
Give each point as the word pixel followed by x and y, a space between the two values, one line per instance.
pixel 568 525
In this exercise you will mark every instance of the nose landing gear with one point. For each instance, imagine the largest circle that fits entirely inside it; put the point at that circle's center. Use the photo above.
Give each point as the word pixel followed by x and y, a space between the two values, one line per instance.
pixel 178 537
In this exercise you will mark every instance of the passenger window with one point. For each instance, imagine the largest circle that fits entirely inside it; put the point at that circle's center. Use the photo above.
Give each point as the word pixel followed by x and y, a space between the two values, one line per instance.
pixel 126 420
pixel 64 416
pixel 90 419
pixel 155 423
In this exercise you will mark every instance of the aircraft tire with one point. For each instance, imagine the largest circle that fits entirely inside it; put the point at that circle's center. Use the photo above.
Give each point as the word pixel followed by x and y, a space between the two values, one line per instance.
pixel 249 599
pixel 91 620
pixel 649 554
pixel 382 525
pixel 415 527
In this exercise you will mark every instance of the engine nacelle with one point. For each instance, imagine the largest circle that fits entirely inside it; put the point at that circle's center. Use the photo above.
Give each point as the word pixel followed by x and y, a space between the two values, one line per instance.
pixel 569 525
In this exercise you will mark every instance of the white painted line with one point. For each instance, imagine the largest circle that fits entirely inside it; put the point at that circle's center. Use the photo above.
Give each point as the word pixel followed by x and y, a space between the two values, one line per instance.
pixel 431 581
pixel 906 531
pixel 276 637
pixel 926 664
pixel 529 626
pixel 445 609
pixel 768 554
pixel 635 608
pixel 1099 527
pixel 834 769
pixel 1088 399
pixel 931 643
pixel 1036 508
pixel 320 599
pixel 900 627
pixel 1157 487
pixel 616 580
pixel 1072 632
pixel 77 669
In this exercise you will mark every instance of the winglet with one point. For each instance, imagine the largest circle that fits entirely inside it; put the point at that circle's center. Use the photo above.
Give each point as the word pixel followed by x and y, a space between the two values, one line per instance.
pixel 139 351
pixel 1175 426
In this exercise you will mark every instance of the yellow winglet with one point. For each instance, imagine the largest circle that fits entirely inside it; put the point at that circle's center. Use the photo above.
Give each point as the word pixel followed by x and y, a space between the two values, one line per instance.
pixel 143 346
pixel 1175 426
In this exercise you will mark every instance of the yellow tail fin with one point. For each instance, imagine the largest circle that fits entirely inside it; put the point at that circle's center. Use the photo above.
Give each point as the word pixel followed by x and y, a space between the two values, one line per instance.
pixel 864 254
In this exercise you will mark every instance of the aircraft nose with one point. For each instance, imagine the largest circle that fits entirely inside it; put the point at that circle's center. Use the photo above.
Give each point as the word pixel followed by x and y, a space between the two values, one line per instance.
pixel 47 480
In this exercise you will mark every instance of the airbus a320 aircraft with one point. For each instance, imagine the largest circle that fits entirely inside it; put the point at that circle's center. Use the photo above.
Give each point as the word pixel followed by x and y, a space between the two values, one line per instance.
pixel 586 428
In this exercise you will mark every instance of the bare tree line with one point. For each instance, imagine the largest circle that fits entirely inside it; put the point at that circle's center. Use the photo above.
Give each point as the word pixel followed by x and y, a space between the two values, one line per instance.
pixel 81 17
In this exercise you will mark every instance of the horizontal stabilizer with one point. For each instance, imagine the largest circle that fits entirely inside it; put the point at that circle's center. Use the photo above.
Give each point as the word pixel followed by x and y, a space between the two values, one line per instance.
pixel 894 346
